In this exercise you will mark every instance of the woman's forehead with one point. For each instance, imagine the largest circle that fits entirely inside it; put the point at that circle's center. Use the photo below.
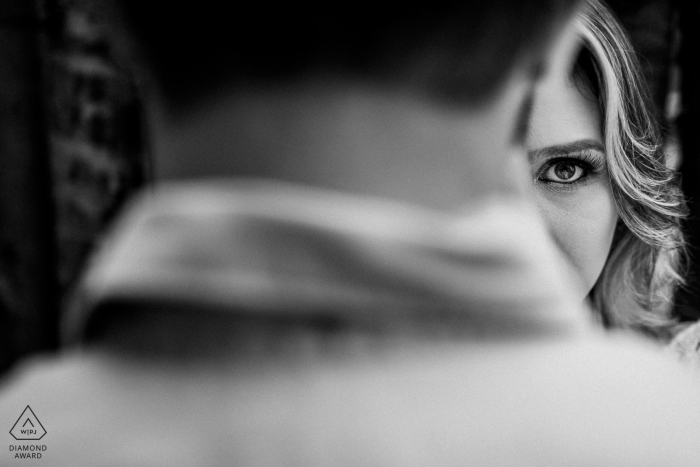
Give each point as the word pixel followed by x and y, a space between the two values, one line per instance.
pixel 563 111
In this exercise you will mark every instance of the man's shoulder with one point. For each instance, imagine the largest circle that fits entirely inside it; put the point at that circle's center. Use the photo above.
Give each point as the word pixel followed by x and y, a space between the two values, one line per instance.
pixel 606 400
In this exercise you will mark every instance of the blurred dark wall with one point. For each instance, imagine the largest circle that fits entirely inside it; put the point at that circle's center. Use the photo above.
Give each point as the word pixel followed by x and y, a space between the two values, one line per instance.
pixel 28 306
pixel 688 123
pixel 72 150
pixel 95 132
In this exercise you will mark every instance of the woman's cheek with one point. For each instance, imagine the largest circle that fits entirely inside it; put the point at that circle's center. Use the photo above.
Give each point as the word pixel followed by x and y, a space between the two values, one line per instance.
pixel 582 224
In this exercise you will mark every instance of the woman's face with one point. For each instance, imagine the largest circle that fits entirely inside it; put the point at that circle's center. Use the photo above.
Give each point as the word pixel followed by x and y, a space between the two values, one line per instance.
pixel 567 158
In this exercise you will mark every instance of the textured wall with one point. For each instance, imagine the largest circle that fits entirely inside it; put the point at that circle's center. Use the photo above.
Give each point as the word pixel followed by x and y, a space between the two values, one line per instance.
pixel 28 310
pixel 97 156
pixel 71 152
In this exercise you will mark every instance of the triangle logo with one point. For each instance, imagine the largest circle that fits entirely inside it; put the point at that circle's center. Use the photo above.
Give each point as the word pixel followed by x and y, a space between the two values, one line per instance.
pixel 28 426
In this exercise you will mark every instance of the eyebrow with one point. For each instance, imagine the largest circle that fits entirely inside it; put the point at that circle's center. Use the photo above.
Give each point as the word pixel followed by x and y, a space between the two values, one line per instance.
pixel 567 148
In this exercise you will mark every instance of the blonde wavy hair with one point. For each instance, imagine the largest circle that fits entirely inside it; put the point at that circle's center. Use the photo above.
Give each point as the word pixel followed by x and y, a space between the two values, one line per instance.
pixel 646 262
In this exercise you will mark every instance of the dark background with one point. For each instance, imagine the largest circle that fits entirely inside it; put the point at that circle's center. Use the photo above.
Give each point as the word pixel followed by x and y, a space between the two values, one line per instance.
pixel 72 147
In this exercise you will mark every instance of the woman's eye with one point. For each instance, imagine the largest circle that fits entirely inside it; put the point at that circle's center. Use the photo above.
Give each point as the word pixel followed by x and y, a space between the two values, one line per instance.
pixel 563 172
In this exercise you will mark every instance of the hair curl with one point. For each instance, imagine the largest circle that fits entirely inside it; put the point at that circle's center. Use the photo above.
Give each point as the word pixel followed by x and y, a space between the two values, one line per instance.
pixel 648 255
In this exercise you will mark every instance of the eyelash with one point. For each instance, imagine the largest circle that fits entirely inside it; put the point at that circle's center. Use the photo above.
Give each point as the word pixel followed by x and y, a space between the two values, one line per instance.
pixel 589 163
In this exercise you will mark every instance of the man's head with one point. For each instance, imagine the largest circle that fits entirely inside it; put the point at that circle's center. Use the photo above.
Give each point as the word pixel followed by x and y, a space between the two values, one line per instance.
pixel 457 50
pixel 467 66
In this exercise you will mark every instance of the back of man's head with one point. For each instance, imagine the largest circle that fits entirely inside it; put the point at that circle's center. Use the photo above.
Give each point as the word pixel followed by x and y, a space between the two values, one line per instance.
pixel 458 50
pixel 416 103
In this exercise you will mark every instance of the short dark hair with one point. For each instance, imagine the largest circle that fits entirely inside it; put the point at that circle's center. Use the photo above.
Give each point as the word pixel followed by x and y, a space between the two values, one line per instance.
pixel 458 49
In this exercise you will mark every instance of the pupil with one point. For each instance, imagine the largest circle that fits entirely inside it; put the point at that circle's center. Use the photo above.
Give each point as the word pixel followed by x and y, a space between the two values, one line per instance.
pixel 565 170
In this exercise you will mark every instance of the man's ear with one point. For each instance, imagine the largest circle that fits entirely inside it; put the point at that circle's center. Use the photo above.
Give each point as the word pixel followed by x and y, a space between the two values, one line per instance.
pixel 555 61
pixel 523 119
pixel 566 45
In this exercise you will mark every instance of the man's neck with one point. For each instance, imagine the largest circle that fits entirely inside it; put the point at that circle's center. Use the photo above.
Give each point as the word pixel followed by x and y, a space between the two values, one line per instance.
pixel 351 138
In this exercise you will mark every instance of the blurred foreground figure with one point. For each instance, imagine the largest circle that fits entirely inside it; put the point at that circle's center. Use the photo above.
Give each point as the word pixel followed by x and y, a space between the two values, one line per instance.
pixel 340 265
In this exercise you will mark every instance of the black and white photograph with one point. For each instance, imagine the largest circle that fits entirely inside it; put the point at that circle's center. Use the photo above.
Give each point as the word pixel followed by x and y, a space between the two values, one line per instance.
pixel 452 234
